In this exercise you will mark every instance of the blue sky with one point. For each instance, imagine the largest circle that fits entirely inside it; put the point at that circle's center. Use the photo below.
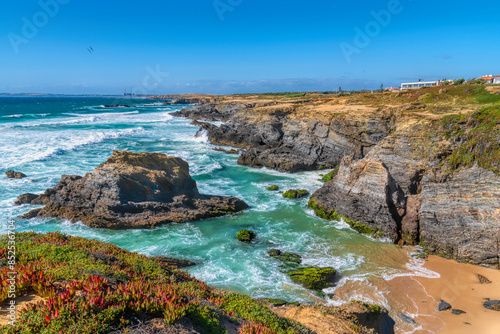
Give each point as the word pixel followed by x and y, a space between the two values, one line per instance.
pixel 235 46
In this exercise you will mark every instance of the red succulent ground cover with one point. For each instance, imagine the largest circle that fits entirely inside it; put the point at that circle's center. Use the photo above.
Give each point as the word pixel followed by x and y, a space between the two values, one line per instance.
pixel 90 286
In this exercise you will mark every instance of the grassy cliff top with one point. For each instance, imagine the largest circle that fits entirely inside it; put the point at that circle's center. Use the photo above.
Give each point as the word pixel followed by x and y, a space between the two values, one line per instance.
pixel 74 285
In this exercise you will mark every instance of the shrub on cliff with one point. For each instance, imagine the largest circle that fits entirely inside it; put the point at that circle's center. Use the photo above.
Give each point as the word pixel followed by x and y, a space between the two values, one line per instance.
pixel 478 138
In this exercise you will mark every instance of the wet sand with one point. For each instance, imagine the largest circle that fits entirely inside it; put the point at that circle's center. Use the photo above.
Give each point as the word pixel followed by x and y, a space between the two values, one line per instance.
pixel 418 297
pixel 460 287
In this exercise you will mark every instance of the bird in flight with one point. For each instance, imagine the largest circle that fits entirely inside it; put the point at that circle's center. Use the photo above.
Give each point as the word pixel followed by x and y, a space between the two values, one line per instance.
pixel 90 50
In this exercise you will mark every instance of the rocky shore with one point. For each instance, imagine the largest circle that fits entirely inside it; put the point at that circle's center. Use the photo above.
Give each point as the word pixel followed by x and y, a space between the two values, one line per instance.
pixel 417 167
pixel 131 190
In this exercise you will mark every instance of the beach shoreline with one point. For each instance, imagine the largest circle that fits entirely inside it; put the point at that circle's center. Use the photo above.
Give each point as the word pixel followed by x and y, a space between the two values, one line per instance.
pixel 459 285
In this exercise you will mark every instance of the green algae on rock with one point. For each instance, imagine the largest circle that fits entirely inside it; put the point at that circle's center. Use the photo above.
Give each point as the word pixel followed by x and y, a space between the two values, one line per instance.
pixel 313 277
pixel 273 188
pixel 245 236
pixel 292 193
pixel 324 213
pixel 330 176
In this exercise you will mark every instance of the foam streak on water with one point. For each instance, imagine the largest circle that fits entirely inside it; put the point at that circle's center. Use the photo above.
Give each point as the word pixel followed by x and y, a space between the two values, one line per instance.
pixel 47 137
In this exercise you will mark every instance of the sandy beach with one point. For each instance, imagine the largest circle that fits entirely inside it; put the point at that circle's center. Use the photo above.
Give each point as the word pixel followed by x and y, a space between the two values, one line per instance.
pixel 418 297
pixel 460 287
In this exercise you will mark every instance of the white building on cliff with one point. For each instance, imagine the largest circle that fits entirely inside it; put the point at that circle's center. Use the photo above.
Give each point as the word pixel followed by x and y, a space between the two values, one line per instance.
pixel 419 84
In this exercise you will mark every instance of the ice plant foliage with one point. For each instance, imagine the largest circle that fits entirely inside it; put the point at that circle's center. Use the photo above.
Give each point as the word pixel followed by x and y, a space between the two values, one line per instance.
pixel 89 286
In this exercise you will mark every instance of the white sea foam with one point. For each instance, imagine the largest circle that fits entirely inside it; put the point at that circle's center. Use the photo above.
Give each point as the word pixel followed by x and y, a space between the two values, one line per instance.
pixel 200 137
pixel 416 268
pixel 67 122
pixel 345 262
pixel 31 151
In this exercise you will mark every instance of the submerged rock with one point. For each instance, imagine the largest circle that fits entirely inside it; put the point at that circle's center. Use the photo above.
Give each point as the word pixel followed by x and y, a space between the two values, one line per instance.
pixel 134 190
pixel 457 311
pixel 274 252
pixel 14 175
pixel 285 257
pixel 313 277
pixel 245 236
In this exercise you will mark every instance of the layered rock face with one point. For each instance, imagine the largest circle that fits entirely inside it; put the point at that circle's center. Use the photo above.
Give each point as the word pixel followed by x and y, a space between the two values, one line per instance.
pixel 456 215
pixel 291 137
pixel 461 217
pixel 133 190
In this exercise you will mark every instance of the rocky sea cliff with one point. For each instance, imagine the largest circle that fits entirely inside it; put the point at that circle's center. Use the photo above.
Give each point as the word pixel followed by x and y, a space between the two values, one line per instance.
pixel 417 167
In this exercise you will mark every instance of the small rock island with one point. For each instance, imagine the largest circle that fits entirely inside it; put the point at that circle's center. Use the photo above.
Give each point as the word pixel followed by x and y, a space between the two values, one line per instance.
pixel 133 190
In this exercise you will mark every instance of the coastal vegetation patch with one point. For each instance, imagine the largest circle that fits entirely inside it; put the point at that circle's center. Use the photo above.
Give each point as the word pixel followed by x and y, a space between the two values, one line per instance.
pixel 89 286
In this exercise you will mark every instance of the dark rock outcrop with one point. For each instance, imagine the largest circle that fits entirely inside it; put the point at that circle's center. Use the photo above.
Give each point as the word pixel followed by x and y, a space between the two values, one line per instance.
pixel 25 199
pixel 14 175
pixel 170 262
pixel 284 138
pixel 134 190
pixel 211 112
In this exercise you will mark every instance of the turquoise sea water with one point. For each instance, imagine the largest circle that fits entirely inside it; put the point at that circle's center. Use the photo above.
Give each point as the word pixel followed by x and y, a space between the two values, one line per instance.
pixel 47 137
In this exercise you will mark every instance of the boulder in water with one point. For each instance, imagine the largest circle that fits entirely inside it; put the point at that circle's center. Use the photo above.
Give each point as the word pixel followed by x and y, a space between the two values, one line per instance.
pixel 25 199
pixel 14 175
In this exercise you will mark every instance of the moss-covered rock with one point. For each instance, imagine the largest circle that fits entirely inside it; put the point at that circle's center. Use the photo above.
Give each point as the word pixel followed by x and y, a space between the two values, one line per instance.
pixel 313 277
pixel 292 193
pixel 324 213
pixel 245 236
pixel 273 188
pixel 330 176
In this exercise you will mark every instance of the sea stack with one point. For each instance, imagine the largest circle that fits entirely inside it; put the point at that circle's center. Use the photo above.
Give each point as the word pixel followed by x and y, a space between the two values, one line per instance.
pixel 133 190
